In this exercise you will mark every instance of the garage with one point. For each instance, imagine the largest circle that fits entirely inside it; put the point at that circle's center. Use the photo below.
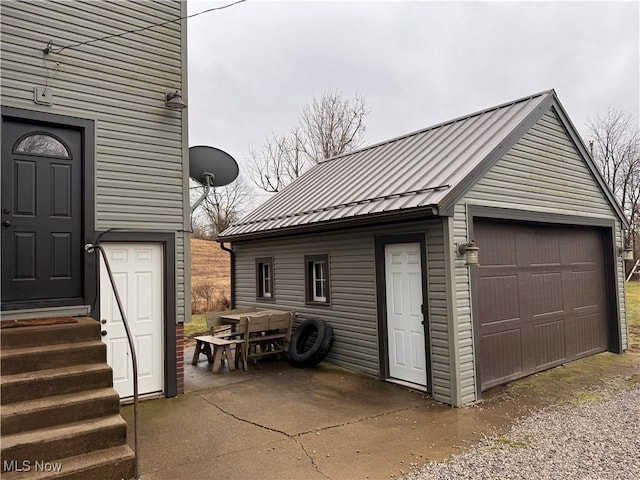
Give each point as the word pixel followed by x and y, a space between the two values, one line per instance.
pixel 499 219
pixel 541 297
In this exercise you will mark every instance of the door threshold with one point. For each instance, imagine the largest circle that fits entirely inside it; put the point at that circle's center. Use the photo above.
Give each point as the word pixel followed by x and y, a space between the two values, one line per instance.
pixel 404 383
pixel 141 397
pixel 47 312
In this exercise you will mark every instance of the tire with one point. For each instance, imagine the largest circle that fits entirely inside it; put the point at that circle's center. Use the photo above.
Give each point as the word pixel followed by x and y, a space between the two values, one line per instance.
pixel 298 356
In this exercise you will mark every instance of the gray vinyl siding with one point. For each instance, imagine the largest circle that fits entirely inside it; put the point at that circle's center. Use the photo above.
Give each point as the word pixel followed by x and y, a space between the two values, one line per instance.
pixel 353 313
pixel 542 173
pixel 119 83
pixel 352 281
pixel 438 313
pixel 462 320
pixel 622 300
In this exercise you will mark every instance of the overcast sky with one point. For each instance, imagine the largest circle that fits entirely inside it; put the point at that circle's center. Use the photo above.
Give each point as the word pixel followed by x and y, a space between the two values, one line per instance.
pixel 252 67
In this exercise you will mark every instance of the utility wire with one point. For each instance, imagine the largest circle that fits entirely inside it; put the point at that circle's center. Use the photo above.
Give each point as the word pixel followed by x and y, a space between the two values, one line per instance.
pixel 49 48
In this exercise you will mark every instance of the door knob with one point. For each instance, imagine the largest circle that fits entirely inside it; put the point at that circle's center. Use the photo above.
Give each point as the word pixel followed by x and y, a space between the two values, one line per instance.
pixel 6 223
pixel 103 333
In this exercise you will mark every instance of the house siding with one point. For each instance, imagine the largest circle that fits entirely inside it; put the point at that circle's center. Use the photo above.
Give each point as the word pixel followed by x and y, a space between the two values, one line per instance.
pixel 545 174
pixel 622 300
pixel 353 311
pixel 119 83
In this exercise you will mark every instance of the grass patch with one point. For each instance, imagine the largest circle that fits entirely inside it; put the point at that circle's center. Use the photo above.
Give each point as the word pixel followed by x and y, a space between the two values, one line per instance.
pixel 633 303
pixel 586 397
pixel 512 443
pixel 633 381
pixel 197 326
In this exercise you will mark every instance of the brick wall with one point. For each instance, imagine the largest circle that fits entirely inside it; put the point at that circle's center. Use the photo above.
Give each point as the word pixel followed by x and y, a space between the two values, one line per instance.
pixel 180 357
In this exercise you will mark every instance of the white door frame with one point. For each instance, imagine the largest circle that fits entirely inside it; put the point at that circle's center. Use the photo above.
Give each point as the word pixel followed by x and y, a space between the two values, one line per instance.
pixel 139 271
pixel 381 243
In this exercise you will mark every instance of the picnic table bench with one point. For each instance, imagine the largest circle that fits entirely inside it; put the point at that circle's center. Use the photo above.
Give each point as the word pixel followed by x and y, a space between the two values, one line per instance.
pixel 215 348
pixel 266 334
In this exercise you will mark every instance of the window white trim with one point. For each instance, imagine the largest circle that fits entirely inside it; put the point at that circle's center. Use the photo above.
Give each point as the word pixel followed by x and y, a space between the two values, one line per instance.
pixel 264 279
pixel 267 285
pixel 319 281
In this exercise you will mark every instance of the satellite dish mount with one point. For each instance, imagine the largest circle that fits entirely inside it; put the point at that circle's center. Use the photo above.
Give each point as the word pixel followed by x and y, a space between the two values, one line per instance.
pixel 207 181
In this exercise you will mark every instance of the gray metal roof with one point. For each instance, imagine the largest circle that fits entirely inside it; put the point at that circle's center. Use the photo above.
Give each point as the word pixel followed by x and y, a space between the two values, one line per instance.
pixel 427 169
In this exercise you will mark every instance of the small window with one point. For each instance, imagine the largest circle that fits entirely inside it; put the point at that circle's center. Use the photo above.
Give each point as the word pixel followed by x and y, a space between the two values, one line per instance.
pixel 42 144
pixel 317 283
pixel 264 278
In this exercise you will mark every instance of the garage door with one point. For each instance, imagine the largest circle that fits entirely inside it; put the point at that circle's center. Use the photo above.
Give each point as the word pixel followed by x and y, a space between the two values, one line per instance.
pixel 540 297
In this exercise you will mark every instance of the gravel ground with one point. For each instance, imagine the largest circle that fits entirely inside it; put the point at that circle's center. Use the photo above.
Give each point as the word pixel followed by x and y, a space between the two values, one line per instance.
pixel 597 437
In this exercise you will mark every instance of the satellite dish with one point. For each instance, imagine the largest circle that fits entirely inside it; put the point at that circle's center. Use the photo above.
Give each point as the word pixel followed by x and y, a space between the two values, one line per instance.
pixel 211 166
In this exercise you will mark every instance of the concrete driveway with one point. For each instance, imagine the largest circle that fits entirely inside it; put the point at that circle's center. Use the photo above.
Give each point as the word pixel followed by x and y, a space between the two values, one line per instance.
pixel 279 422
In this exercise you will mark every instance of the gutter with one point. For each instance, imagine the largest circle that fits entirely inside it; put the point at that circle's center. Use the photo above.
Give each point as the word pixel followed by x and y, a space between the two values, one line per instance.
pixel 233 272
pixel 389 216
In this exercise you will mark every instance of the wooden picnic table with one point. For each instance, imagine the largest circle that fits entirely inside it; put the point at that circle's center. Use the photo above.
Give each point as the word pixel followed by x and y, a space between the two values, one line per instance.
pixel 265 332
pixel 216 348
pixel 234 318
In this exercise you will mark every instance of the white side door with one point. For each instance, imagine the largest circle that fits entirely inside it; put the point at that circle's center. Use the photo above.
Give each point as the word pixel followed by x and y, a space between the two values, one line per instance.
pixel 137 269
pixel 403 278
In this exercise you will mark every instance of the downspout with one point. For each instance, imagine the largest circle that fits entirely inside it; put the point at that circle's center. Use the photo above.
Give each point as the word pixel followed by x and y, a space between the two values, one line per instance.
pixel 233 271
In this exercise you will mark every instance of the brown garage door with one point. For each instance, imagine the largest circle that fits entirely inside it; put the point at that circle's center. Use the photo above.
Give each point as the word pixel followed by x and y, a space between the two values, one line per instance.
pixel 541 297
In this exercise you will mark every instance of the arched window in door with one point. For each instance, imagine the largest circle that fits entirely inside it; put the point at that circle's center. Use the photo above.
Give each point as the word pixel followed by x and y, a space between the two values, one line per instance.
pixel 40 143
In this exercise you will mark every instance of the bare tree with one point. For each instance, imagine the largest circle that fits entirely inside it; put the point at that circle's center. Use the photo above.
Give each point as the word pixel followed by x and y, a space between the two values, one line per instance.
pixel 328 126
pixel 222 207
pixel 614 140
pixel 204 291
pixel 278 164
pixel 200 227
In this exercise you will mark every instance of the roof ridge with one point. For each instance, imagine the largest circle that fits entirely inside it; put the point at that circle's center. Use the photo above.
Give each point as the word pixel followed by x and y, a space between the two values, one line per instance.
pixel 437 125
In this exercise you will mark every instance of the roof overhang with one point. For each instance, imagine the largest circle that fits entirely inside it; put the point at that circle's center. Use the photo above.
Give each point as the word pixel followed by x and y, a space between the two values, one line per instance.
pixel 419 213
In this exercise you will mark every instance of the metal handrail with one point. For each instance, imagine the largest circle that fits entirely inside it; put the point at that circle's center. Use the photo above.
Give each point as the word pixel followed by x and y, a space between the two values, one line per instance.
pixel 90 248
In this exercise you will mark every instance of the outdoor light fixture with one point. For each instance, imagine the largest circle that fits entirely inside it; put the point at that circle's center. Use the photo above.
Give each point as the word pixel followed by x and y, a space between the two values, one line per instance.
pixel 469 251
pixel 174 100
pixel 626 253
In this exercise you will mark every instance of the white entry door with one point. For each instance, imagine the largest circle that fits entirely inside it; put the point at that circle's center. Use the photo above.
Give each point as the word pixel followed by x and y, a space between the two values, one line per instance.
pixel 137 269
pixel 407 355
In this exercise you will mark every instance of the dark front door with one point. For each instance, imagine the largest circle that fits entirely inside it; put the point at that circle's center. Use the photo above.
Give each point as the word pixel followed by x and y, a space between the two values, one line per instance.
pixel 41 216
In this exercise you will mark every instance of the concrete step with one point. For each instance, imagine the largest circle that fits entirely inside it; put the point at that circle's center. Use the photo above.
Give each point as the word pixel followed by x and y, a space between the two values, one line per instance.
pixel 110 463
pixel 39 413
pixel 83 329
pixel 55 443
pixel 57 381
pixel 60 414
pixel 29 359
